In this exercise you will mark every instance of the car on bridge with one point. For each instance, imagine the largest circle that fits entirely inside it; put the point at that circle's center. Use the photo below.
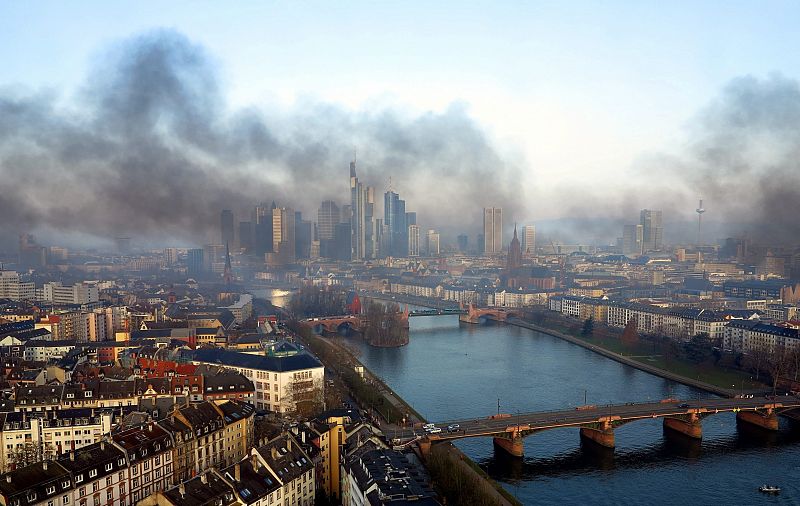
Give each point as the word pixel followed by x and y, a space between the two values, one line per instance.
pixel 433 430
pixel 683 405
pixel 453 427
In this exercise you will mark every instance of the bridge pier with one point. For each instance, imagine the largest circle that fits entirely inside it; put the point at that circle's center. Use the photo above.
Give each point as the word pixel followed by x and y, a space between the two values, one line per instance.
pixel 424 447
pixel 602 437
pixel 513 446
pixel 689 426
pixel 767 421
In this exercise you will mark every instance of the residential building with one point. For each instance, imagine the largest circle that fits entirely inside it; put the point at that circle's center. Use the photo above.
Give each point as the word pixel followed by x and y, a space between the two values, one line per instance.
pixel 292 467
pixel 149 453
pixel 99 475
pixel 279 380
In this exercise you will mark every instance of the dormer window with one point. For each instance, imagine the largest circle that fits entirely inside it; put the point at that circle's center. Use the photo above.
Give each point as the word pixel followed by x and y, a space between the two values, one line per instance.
pixel 79 478
pixel 87 393
pixel 92 473
pixel 65 484
pixel 109 466
pixel 51 489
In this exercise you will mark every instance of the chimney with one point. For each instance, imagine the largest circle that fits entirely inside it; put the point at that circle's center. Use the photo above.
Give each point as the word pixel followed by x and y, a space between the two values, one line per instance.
pixel 289 443
pixel 44 465
pixel 204 478
pixel 8 478
pixel 237 472
pixel 182 490
pixel 150 426
pixel 102 445
pixel 274 453
pixel 254 461
pixel 72 456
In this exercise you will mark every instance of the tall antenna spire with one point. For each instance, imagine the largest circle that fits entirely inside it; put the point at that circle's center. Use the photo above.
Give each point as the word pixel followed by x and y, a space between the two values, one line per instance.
pixel 700 210
pixel 390 184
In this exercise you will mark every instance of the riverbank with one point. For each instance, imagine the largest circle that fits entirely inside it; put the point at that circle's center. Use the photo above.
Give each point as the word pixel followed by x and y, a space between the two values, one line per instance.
pixel 630 361
pixel 457 477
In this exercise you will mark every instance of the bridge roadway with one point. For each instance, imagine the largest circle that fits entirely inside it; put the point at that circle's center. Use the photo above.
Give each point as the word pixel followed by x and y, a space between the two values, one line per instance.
pixel 597 422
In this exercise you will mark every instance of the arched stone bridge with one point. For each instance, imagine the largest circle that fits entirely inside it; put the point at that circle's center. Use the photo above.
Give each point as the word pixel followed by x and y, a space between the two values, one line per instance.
pixel 478 315
pixel 597 423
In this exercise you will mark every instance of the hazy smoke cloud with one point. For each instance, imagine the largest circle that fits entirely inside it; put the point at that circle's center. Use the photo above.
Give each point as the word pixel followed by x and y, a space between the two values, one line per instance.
pixel 746 157
pixel 150 149
pixel 742 156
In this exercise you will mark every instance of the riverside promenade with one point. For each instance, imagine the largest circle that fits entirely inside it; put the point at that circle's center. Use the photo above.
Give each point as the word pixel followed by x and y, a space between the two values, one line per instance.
pixel 657 371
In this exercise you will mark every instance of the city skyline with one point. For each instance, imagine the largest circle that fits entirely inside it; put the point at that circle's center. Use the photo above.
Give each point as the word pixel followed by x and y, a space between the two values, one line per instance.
pixel 248 147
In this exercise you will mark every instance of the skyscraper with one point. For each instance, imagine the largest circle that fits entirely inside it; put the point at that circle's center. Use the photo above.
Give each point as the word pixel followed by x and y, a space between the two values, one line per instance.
pixel 632 239
pixel 529 240
pixel 652 230
pixel 246 236
pixel 394 216
pixel 492 230
pixel 432 243
pixel 413 240
pixel 327 218
pixel 194 262
pixel 303 236
pixel 226 226
pixel 362 225
pixel 463 242
pixel 283 229
pixel 262 228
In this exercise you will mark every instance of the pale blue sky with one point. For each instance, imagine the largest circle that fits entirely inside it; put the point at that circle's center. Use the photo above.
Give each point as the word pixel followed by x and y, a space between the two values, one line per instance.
pixel 574 87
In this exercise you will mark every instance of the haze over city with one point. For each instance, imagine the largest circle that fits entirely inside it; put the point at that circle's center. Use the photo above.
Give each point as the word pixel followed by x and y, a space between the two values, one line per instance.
pixel 399 253
pixel 573 118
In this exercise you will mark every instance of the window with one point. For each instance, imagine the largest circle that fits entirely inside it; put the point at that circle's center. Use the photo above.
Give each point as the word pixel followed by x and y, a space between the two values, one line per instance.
pixel 92 473
pixel 51 490
pixel 65 499
pixel 109 466
pixel 79 478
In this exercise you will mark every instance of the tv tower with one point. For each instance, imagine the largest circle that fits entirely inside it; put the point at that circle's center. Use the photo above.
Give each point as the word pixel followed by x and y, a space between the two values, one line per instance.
pixel 700 212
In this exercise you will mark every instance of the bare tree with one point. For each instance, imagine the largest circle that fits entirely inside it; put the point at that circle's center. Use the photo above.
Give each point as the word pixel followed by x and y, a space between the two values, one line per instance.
pixel 30 453
pixel 778 361
pixel 305 397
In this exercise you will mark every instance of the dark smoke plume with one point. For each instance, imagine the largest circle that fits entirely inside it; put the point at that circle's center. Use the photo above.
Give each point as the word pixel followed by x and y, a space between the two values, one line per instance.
pixel 150 149
pixel 746 157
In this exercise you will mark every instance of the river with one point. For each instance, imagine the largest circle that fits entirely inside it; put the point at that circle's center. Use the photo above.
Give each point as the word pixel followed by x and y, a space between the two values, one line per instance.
pixel 451 370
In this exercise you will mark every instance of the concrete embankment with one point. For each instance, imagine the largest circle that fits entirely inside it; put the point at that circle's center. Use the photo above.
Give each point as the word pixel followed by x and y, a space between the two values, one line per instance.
pixel 465 466
pixel 657 371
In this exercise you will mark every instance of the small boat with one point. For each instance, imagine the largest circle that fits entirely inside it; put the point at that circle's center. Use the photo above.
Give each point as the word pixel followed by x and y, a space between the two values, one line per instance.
pixel 769 489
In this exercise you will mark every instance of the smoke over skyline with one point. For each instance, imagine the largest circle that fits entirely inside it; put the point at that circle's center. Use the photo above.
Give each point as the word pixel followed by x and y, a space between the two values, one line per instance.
pixel 149 148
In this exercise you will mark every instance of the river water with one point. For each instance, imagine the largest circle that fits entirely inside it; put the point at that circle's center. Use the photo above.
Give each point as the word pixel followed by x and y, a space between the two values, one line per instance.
pixel 451 370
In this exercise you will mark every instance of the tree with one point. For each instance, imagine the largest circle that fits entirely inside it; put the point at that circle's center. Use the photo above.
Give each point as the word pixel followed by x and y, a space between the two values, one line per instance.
pixel 699 348
pixel 29 453
pixel 305 397
pixel 757 359
pixel 384 325
pixel 630 335
pixel 588 327
pixel 778 362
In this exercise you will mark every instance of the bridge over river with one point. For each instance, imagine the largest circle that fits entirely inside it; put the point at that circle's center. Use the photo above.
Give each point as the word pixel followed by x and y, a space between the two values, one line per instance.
pixel 597 423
